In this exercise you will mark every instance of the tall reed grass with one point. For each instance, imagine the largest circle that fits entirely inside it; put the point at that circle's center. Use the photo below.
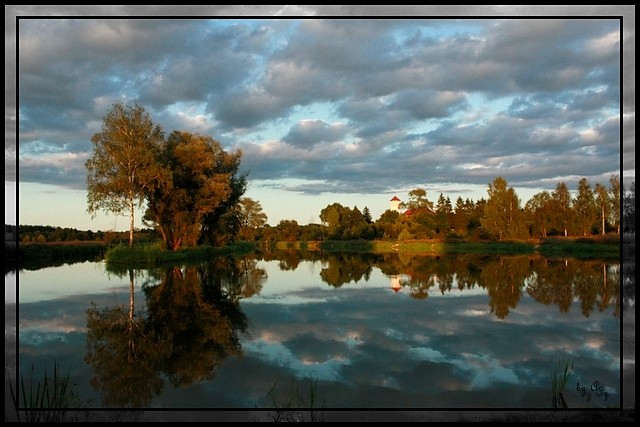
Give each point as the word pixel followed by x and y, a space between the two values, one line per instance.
pixel 45 400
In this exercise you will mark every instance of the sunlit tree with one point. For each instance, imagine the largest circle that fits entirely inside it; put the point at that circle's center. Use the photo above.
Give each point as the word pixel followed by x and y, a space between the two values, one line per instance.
pixel 615 198
pixel 418 200
pixel 123 168
pixel 444 214
pixel 502 216
pixel 200 183
pixel 603 204
pixel 584 207
pixel 562 208
pixel 539 210
pixel 252 218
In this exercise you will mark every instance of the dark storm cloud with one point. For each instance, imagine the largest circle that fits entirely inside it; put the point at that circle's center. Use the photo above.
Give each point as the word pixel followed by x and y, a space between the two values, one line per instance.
pixel 459 100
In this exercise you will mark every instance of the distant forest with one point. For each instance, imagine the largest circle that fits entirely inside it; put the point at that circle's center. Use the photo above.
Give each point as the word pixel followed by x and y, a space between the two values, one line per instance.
pixel 483 220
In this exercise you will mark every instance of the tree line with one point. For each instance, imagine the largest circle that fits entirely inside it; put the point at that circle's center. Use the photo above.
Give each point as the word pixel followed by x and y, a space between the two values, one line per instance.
pixel 546 214
pixel 193 193
pixel 593 211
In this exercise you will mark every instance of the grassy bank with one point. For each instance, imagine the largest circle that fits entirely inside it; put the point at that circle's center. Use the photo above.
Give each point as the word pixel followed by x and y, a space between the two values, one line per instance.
pixel 442 248
pixel 584 247
pixel 596 247
pixel 153 255
pixel 33 256
pixel 37 255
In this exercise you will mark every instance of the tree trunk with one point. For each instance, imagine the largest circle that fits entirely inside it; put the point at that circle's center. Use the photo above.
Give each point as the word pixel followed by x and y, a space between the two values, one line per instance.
pixel 131 220
pixel 131 353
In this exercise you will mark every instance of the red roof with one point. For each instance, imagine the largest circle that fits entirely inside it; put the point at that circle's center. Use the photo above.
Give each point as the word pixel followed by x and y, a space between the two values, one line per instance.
pixel 395 199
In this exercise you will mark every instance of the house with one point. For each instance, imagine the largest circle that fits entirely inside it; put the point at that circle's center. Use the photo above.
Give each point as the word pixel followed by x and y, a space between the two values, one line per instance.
pixel 394 205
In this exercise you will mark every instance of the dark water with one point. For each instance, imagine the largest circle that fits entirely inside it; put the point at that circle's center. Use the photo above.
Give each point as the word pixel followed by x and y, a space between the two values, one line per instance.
pixel 335 331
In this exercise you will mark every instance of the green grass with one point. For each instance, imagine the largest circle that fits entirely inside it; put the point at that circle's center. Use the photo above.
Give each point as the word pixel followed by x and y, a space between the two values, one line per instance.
pixel 152 254
pixel 595 247
pixel 430 247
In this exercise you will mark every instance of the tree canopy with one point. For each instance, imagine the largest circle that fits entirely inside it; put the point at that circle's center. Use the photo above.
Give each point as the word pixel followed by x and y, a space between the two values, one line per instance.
pixel 200 183
pixel 190 183
pixel 124 167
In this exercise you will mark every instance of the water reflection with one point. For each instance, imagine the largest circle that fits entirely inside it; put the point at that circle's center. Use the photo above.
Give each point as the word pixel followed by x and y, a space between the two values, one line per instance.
pixel 319 317
pixel 595 283
pixel 191 325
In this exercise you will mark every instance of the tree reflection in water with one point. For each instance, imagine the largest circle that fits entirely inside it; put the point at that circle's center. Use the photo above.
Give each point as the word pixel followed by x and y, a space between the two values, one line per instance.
pixel 191 325
pixel 595 283
pixel 192 319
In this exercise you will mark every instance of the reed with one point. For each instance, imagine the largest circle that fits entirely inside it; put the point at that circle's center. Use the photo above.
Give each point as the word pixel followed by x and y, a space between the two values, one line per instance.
pixel 285 410
pixel 47 400
pixel 558 382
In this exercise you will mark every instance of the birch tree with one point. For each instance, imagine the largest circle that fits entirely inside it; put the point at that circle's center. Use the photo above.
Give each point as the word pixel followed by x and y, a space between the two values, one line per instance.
pixel 123 166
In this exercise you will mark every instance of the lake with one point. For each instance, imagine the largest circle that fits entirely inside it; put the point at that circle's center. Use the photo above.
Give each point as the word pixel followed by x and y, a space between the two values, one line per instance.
pixel 338 330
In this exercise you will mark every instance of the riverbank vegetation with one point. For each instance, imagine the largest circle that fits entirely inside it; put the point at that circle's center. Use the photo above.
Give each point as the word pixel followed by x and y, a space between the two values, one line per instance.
pixel 193 192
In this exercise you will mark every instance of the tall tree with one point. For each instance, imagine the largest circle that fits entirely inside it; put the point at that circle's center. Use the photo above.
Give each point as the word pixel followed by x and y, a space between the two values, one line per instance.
pixel 220 226
pixel 418 200
pixel 460 217
pixel 603 204
pixel 367 215
pixel 562 208
pixel 502 216
pixel 123 168
pixel 539 210
pixel 252 218
pixel 614 196
pixel 331 218
pixel 584 207
pixel 444 214
pixel 200 184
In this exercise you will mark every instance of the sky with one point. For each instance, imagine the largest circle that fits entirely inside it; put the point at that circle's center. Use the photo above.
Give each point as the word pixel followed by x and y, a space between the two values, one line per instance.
pixel 324 109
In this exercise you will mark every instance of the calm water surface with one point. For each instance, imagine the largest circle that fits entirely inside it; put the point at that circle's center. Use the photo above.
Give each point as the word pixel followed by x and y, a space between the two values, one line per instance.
pixel 351 331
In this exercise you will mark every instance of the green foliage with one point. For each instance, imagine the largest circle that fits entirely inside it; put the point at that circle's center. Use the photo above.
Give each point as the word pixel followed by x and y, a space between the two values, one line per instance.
pixel 150 255
pixel 405 235
pixel 502 215
pixel 347 245
pixel 585 208
pixel 200 183
pixel 586 247
pixel 343 223
pixel 252 218
pixel 123 167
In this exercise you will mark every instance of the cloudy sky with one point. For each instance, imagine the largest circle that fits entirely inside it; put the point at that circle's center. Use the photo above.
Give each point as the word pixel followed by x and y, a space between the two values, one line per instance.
pixel 325 109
